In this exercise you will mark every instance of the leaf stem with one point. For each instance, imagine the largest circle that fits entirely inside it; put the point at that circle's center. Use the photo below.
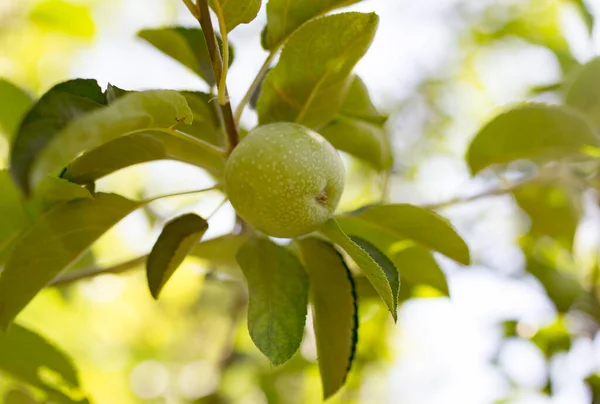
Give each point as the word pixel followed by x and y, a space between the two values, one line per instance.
pixel 229 123
pixel 190 6
pixel 255 84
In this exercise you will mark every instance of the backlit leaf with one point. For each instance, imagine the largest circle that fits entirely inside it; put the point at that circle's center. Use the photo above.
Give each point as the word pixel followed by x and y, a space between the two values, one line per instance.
pixel 24 355
pixel 206 124
pixel 583 92
pixel 185 45
pixel 14 104
pixel 368 266
pixel 53 191
pixel 138 112
pixel 278 297
pixel 52 243
pixel 14 212
pixel 62 16
pixel 284 17
pixel 174 244
pixel 335 314
pixel 59 106
pixel 534 131
pixel 221 251
pixel 235 12
pixel 309 82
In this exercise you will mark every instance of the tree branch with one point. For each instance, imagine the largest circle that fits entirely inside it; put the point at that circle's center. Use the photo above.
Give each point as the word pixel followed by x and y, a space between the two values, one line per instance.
pixel 71 277
pixel 231 128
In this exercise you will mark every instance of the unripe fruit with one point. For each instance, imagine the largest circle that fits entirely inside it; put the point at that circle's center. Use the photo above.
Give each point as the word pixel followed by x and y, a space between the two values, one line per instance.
pixel 284 179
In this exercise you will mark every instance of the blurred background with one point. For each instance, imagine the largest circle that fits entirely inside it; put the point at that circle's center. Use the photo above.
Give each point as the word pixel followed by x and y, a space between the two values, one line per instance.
pixel 513 331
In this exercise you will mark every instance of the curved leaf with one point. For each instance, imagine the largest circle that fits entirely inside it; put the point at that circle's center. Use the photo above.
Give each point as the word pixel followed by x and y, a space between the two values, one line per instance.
pixel 24 354
pixel 368 266
pixel 583 93
pixel 534 131
pixel 133 113
pixel 358 105
pixel 284 16
pixel 235 12
pixel 174 243
pixel 335 314
pixel 14 104
pixel 59 106
pixel 185 45
pixel 14 212
pixel 278 298
pixel 309 82
pixel 206 124
pixel 54 242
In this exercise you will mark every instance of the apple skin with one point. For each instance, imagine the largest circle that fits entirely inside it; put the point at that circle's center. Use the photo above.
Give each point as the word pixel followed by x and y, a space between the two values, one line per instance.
pixel 284 179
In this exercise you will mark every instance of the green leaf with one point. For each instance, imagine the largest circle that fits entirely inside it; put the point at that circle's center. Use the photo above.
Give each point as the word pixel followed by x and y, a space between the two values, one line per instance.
pixel 312 77
pixel 422 226
pixel 553 338
pixel 14 212
pixel 113 93
pixel 278 298
pixel 53 191
pixel 185 45
pixel 391 272
pixel 25 355
pixel 284 16
pixel 65 17
pixel 54 242
pixel 59 106
pixel 368 266
pixel 155 110
pixel 235 12
pixel 534 131
pixel 174 244
pixel 335 314
pixel 357 104
pixel 14 104
pixel 583 91
pixel 220 251
pixel 139 148
pixel 206 124
pixel 18 397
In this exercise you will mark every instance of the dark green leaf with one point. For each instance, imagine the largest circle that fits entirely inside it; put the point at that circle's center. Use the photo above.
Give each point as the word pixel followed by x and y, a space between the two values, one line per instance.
pixel 18 397
pixel 54 242
pixel 155 110
pixel 309 82
pixel 185 45
pixel 391 272
pixel 278 293
pixel 583 92
pixel 284 16
pixel 368 266
pixel 174 244
pixel 235 12
pixel 335 314
pixel 14 104
pixel 593 383
pixel 24 355
pixel 59 106
pixel 534 131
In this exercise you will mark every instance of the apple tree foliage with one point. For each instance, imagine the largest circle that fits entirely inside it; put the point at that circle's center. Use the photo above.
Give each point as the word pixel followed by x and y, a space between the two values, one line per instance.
pixel 77 133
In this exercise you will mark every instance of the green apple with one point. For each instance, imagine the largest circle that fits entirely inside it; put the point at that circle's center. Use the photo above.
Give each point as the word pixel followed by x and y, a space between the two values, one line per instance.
pixel 284 179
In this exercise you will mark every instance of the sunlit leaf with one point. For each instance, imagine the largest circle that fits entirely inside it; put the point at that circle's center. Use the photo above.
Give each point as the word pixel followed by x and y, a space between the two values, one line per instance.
pixel 335 314
pixel 155 110
pixel 553 338
pixel 62 16
pixel 583 93
pixel 24 355
pixel 18 397
pixel 185 45
pixel 309 82
pixel 53 112
pixel 368 266
pixel 278 298
pixel 52 243
pixel 235 12
pixel 177 239
pixel 53 191
pixel 391 272
pixel 14 104
pixel 534 131
pixel 284 17
pixel 14 212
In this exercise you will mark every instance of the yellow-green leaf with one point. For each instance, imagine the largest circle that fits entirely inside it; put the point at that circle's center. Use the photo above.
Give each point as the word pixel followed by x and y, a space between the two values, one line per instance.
pixel 335 314
pixel 52 243
pixel 536 132
pixel 175 242
pixel 368 266
pixel 284 16
pixel 278 298
pixel 235 12
pixel 62 16
pixel 310 81
pixel 14 104
pixel 583 92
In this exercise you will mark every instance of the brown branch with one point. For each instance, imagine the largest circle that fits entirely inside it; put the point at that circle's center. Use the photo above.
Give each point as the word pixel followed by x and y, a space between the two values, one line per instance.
pixel 217 67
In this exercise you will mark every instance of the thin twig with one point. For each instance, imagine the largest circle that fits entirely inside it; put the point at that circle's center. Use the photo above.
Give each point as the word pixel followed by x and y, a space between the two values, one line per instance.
pixel 230 125
pixel 95 271
pixel 195 191
pixel 190 6
pixel 485 194
pixel 255 84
